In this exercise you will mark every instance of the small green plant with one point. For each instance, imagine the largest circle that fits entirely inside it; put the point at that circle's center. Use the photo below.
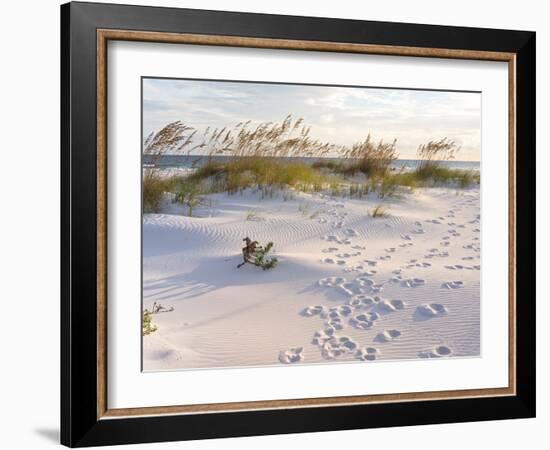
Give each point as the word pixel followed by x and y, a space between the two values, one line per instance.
pixel 378 211
pixel 251 214
pixel 261 260
pixel 147 325
pixel 187 192
pixel 253 253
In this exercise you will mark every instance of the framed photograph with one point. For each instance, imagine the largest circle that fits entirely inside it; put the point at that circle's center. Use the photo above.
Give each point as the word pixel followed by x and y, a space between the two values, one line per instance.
pixel 276 224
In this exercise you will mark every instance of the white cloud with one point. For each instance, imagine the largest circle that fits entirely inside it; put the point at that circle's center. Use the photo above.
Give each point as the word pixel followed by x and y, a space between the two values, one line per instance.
pixel 341 115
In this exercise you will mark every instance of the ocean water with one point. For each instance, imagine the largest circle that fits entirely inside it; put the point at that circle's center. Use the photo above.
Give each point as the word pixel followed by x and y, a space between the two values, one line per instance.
pixel 194 161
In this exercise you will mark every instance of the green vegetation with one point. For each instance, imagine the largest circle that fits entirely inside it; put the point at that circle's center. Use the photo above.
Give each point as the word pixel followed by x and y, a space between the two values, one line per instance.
pixel 430 169
pixel 252 215
pixel 153 189
pixel 378 211
pixel 262 260
pixel 147 325
pixel 188 193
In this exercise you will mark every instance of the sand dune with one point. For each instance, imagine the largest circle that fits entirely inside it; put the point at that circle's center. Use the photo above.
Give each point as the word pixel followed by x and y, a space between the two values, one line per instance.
pixel 348 287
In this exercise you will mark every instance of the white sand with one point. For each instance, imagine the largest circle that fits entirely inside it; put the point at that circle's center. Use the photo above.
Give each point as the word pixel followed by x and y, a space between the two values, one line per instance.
pixel 411 287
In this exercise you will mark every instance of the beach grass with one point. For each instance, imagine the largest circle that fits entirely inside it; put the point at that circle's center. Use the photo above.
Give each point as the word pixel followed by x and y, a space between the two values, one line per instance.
pixel 153 188
pixel 378 211
pixel 267 158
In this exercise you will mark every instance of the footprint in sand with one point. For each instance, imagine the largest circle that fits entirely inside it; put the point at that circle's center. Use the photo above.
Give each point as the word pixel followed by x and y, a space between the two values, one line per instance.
pixel 334 323
pixel 376 288
pixel 370 262
pixel 358 247
pixel 437 352
pixel 418 231
pixel 338 311
pixel 350 289
pixel 328 261
pixel 407 244
pixel 406 237
pixel 423 265
pixel 368 273
pixel 344 255
pixel 330 250
pixel 413 282
pixel 322 336
pixel 355 268
pixel 291 356
pixel 331 281
pixel 429 310
pixel 361 301
pixel 452 285
pixel 364 321
pixel 312 311
pixel 384 306
pixel 458 267
pixel 337 346
pixel 387 335
pixel 348 255
pixel 390 250
pixel 334 238
pixel 350 232
pixel 364 281
pixel 367 354
pixel 384 258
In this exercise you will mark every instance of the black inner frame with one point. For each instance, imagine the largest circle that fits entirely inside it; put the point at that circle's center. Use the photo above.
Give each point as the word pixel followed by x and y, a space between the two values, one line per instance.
pixel 79 423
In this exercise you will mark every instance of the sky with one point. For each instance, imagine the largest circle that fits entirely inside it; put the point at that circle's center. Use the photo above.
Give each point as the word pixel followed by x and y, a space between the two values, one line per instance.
pixel 340 115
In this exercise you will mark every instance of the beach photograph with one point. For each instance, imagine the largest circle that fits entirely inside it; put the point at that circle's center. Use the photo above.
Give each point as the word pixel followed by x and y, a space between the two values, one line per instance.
pixel 289 224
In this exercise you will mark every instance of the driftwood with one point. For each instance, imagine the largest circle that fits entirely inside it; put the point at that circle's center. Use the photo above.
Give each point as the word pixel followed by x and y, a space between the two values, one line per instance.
pixel 249 252
pixel 255 254
pixel 158 308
